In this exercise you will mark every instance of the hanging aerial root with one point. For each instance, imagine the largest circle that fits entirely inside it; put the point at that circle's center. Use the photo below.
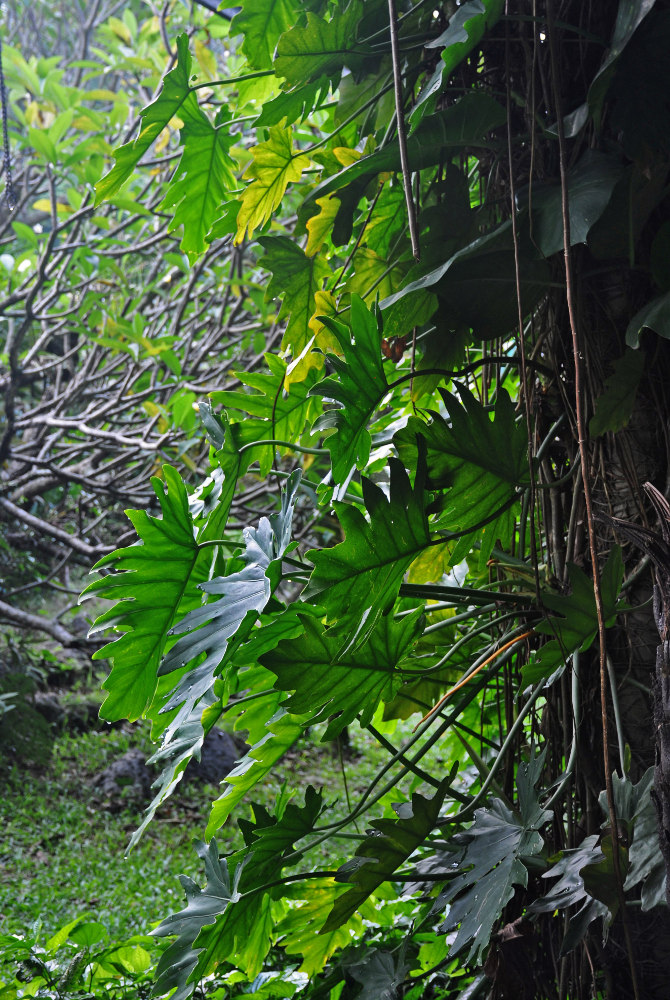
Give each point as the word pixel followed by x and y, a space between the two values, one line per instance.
pixel 464 681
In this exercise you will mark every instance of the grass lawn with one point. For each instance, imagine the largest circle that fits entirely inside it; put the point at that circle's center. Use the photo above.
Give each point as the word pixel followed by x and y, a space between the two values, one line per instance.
pixel 62 856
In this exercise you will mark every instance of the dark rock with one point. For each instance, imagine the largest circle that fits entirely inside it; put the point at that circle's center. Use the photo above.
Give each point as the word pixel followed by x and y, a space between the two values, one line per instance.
pixel 126 781
pixel 73 716
pixel 220 753
pixel 25 736
pixel 50 708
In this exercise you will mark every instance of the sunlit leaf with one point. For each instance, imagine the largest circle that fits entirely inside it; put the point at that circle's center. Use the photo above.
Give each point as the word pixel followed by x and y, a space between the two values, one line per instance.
pixel 231 919
pixel 465 123
pixel 298 930
pixel 262 22
pixel 288 413
pixel 298 277
pixel 275 165
pixel 202 180
pixel 319 47
pixel 281 732
pixel 320 225
pixel 150 580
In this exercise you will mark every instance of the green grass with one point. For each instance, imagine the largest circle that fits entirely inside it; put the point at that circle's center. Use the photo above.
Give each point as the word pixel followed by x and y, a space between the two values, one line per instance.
pixel 63 856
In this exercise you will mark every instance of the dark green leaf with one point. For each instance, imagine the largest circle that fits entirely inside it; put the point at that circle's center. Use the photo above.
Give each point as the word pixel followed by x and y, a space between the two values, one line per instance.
pixel 630 15
pixel 179 962
pixel 359 579
pixel 654 316
pixel 465 123
pixel 325 683
pixel 466 29
pixel 381 974
pixel 381 854
pixel 483 461
pixel 615 406
pixel 478 283
pixel 493 863
pixel 578 626
pixel 590 185
pixel 644 855
pixel 660 257
pixel 223 923
pixel 569 889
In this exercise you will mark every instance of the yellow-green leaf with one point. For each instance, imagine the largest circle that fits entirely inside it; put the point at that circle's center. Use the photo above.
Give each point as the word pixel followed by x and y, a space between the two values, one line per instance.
pixel 321 224
pixel 275 165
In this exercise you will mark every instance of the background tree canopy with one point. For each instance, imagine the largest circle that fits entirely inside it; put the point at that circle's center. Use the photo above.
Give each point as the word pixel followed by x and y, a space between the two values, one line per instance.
pixel 380 294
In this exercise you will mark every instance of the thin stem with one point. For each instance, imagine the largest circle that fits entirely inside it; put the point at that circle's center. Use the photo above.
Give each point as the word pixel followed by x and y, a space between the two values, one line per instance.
pixel 283 444
pixel 402 132
pixel 586 483
pixel 468 677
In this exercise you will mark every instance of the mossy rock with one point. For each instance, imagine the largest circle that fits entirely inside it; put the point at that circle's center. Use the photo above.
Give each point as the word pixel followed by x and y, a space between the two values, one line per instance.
pixel 25 735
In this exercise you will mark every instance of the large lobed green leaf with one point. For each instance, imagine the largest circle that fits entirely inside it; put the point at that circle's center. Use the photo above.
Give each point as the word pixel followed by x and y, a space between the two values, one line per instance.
pixel 262 22
pixel 482 461
pixel 494 861
pixel 242 595
pixel 320 48
pixel 297 277
pixel 383 852
pixel 574 625
pixel 188 679
pixel 478 283
pixel 152 581
pixel 570 891
pixel 175 98
pixel 232 921
pixel 275 164
pixel 359 579
pixel 349 685
pixel 203 179
pixel 358 386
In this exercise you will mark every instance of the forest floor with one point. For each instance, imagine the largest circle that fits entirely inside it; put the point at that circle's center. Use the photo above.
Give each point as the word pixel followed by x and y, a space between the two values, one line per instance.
pixel 63 856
